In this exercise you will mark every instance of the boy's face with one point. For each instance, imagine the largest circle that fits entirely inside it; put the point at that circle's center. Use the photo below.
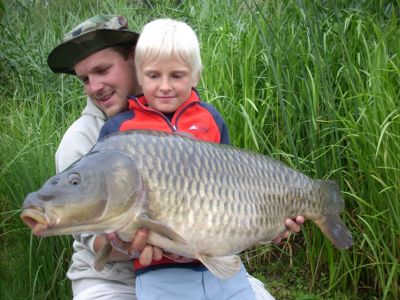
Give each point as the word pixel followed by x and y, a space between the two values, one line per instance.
pixel 166 84
pixel 108 78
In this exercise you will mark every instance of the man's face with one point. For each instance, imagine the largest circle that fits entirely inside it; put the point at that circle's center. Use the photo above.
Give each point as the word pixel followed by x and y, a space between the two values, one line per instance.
pixel 166 84
pixel 108 78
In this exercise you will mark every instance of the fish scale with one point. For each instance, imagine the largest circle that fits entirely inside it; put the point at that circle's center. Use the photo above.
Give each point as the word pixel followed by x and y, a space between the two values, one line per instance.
pixel 198 199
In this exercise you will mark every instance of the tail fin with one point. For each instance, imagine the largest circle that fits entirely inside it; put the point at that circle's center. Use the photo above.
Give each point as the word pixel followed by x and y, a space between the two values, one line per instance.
pixel 330 223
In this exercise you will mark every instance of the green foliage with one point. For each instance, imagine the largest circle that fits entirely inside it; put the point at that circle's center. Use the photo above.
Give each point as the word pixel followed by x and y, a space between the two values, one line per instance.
pixel 315 84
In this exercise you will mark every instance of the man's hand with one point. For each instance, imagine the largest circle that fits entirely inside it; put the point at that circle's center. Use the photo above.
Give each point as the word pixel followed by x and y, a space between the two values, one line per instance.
pixel 124 251
pixel 292 225
pixel 149 252
pixel 146 253
pixel 119 253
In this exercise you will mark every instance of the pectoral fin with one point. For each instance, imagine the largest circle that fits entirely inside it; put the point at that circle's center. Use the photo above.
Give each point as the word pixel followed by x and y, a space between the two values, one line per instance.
pixel 102 256
pixel 266 242
pixel 161 229
pixel 223 267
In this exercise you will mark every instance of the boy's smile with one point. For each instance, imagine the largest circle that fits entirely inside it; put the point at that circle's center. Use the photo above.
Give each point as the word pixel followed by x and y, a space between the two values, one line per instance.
pixel 166 84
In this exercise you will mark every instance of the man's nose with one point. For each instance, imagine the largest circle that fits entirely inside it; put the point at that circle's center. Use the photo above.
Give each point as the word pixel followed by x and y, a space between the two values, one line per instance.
pixel 94 86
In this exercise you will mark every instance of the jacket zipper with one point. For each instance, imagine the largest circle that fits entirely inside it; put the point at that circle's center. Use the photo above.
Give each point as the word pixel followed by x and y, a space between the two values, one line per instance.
pixel 181 112
pixel 173 128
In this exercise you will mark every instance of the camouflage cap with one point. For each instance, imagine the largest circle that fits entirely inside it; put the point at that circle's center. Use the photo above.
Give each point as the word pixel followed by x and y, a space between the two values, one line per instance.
pixel 92 35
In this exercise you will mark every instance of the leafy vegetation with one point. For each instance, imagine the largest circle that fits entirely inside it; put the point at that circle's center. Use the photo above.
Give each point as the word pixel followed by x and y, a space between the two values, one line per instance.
pixel 315 84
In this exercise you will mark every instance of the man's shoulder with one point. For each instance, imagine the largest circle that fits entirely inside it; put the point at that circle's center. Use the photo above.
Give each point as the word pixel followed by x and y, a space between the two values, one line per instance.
pixel 85 124
pixel 78 139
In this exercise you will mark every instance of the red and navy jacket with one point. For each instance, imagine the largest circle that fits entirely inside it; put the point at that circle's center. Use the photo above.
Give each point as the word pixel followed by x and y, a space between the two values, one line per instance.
pixel 195 117
pixel 199 119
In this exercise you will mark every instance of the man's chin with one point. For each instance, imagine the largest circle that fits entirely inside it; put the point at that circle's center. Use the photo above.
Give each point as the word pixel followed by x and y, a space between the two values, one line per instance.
pixel 111 111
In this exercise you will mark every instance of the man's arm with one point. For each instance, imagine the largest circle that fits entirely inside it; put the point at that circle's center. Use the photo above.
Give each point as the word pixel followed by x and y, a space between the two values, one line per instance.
pixel 79 138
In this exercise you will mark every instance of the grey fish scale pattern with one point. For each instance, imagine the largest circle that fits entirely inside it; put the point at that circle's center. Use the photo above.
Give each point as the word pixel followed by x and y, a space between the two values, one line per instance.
pixel 207 182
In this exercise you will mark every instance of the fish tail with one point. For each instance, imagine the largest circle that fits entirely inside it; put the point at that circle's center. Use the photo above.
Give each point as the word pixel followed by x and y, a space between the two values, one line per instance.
pixel 330 193
pixel 330 223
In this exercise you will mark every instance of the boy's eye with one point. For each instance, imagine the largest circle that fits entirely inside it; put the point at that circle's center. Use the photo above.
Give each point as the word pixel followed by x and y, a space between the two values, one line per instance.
pixel 177 75
pixel 152 75
pixel 180 74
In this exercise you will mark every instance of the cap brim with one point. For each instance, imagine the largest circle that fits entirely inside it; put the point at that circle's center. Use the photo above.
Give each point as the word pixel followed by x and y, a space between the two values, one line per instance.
pixel 65 56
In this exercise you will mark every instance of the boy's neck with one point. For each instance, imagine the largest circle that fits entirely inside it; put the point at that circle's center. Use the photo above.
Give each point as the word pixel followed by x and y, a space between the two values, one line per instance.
pixel 169 115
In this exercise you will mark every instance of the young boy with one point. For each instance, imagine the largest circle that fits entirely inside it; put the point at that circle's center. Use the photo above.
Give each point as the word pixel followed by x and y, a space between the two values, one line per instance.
pixel 168 67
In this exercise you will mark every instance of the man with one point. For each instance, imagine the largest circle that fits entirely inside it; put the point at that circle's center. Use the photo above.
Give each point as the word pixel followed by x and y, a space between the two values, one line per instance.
pixel 100 52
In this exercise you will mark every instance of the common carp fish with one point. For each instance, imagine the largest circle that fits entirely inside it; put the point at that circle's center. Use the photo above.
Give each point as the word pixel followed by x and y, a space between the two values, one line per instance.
pixel 200 200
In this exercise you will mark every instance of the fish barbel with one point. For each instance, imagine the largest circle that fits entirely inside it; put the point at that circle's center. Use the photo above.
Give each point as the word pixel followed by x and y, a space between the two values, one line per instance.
pixel 201 200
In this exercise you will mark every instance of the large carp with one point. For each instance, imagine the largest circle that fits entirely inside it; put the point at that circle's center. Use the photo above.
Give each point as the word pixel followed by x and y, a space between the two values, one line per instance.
pixel 201 200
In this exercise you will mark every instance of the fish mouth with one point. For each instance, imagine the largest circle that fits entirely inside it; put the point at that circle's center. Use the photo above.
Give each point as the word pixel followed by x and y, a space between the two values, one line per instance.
pixel 36 220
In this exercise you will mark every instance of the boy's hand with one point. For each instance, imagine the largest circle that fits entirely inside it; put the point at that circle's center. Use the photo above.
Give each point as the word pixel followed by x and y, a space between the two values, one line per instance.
pixel 292 225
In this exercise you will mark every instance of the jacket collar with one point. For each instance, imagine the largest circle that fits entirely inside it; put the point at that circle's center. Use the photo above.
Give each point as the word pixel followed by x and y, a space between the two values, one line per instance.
pixel 194 97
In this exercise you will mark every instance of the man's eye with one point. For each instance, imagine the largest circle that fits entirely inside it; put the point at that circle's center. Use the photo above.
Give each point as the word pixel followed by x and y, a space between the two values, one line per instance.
pixel 84 80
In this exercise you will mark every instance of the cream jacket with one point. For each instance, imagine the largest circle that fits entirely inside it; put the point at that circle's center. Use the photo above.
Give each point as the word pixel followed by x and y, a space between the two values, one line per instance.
pixel 76 142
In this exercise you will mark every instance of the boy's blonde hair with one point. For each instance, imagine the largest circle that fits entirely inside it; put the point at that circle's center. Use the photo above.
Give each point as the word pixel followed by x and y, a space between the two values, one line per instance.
pixel 163 39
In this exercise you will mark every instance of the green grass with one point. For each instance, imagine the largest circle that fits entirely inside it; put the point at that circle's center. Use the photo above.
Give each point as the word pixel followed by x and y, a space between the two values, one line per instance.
pixel 315 84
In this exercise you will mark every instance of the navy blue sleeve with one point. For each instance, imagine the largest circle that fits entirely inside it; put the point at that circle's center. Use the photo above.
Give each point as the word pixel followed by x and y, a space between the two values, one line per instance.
pixel 223 129
pixel 224 134
pixel 114 123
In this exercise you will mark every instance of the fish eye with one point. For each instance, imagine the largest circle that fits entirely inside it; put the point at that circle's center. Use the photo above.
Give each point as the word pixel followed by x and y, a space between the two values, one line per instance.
pixel 74 179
